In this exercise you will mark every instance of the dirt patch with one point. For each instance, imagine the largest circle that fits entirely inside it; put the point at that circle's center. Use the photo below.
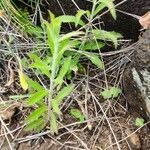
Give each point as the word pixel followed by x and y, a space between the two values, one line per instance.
pixel 126 135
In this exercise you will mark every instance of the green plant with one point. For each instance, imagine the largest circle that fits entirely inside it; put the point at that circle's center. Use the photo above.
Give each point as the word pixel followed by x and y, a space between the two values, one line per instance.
pixel 63 55
pixel 113 92
pixel 76 113
pixel 139 122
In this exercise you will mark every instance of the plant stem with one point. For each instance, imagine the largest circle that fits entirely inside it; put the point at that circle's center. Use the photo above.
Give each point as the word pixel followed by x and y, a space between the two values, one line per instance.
pixel 93 9
pixel 53 74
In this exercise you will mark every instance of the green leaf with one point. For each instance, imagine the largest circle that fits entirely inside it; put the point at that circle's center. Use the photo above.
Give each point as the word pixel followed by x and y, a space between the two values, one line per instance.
pixel 70 19
pixel 34 57
pixel 39 64
pixel 51 15
pixel 53 31
pixel 34 84
pixel 93 45
pixel 77 114
pixel 100 7
pixel 64 92
pixel 106 94
pixel 139 122
pixel 19 97
pixel 71 34
pixel 74 43
pixel 53 123
pixel 107 35
pixel 60 96
pixel 110 5
pixel 64 69
pixel 63 47
pixel 50 35
pixel 56 26
pixel 63 44
pixel 113 92
pixel 95 60
pixel 37 97
pixel 36 114
pixel 33 30
pixel 44 68
pixel 79 14
pixel 36 125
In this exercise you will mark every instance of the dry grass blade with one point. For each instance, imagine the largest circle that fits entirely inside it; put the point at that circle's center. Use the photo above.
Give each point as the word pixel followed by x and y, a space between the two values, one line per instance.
pixel 11 74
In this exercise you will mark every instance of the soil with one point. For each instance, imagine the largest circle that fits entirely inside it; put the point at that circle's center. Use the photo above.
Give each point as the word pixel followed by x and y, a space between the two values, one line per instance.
pixel 127 25
pixel 110 124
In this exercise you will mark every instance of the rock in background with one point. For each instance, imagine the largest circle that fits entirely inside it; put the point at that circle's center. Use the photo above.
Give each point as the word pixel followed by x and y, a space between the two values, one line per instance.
pixel 137 78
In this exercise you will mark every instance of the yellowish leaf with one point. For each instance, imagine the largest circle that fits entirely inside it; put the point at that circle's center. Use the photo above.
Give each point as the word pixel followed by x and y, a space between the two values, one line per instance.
pixel 1 13
pixel 23 82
